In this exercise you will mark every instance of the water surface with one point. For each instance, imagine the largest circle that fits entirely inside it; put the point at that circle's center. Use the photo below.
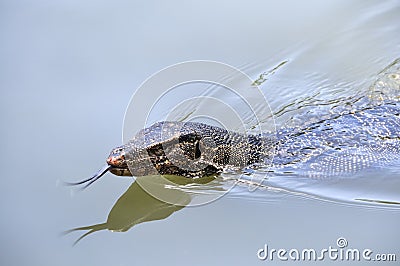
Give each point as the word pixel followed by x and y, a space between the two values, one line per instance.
pixel 68 70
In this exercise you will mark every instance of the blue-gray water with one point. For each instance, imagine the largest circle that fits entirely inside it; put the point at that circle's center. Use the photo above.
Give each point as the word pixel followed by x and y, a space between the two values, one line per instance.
pixel 68 70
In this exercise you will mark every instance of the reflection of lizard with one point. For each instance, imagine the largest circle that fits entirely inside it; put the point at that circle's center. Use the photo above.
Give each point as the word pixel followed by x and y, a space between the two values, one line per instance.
pixel 137 206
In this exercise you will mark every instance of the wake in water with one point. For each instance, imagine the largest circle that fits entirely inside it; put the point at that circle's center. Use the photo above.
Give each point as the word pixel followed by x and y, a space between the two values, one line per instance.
pixel 352 151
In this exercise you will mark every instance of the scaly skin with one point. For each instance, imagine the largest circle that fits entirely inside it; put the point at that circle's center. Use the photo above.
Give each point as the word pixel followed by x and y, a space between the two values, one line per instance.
pixel 344 144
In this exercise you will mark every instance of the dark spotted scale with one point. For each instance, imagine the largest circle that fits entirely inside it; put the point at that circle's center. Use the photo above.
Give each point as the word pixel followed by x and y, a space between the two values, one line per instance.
pixel 342 144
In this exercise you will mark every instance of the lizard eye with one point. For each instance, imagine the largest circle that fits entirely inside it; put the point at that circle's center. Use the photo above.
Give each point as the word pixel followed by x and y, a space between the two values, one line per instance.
pixel 197 151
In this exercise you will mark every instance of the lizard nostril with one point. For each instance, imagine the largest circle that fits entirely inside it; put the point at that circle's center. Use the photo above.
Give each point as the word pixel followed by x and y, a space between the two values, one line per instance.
pixel 116 160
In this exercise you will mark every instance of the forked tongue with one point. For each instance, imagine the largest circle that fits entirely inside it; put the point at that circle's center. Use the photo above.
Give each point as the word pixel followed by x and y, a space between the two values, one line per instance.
pixel 92 179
